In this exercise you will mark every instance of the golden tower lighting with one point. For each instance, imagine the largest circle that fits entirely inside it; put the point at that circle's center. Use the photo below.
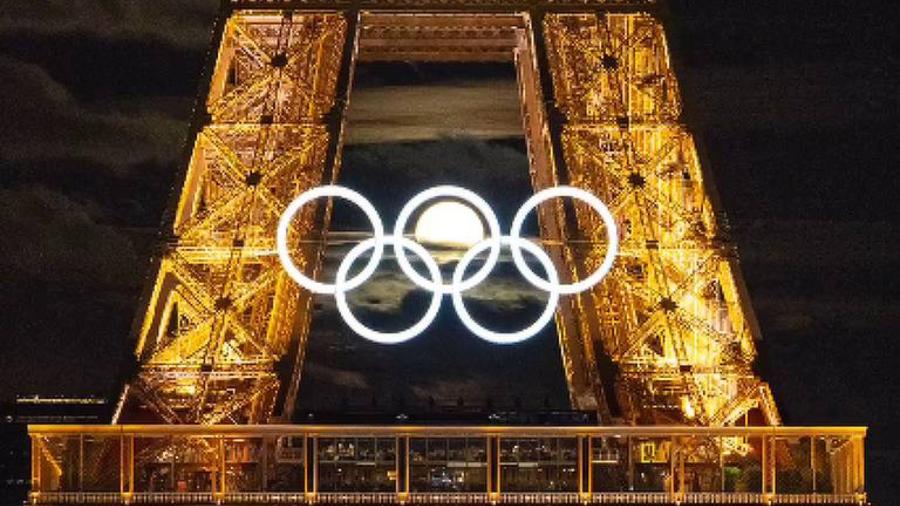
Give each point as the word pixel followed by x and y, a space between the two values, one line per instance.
pixel 662 349
pixel 223 331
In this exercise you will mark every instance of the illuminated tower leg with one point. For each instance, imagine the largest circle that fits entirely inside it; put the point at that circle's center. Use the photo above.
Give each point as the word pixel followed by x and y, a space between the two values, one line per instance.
pixel 672 315
pixel 222 315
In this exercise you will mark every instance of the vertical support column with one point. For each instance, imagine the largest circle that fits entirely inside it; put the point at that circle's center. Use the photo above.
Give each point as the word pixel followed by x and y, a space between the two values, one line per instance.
pixel 122 465
pixel 773 464
pixel 220 494
pixel 673 468
pixel 130 466
pixel 264 462
pixel 846 468
pixel 315 466
pixel 842 459
pixel 309 468
pixel 860 445
pixel 680 468
pixel 493 467
pixel 544 124
pixel 335 119
pixel 590 465
pixel 835 466
pixel 768 466
pixel 555 118
pixel 488 469
pixel 401 461
pixel 764 466
pixel 851 468
pixel 398 445
pixel 584 468
pixel 35 467
pixel 126 467
pixel 628 443
pixel 81 462
pixel 579 463
pixel 720 446
pixel 849 465
pixel 812 462
pixel 334 124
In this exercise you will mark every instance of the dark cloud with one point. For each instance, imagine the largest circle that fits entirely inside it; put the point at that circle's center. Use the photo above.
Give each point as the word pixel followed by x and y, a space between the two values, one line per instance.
pixel 121 71
pixel 805 276
pixel 790 97
pixel 53 238
pixel 352 380
pixel 795 103
pixel 69 285
pixel 44 122
pixel 182 22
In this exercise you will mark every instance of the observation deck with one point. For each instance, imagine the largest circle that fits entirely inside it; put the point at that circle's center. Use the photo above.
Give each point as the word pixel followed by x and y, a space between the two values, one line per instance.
pixel 444 5
pixel 306 464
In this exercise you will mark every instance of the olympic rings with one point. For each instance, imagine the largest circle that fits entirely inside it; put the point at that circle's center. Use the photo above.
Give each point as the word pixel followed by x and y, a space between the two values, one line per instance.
pixel 462 194
pixel 612 237
pixel 505 337
pixel 458 284
pixel 388 337
pixel 285 222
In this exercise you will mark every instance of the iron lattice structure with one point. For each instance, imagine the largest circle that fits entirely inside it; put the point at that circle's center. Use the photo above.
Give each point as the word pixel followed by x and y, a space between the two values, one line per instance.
pixel 673 316
pixel 668 337
pixel 222 313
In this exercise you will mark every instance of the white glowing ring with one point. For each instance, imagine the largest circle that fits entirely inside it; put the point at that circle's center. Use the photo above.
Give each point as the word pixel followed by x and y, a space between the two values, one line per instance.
pixel 612 235
pixel 519 335
pixel 374 335
pixel 493 228
pixel 458 284
pixel 285 222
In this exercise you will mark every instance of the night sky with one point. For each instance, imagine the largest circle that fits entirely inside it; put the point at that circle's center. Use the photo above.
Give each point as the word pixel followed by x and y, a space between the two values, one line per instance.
pixel 795 104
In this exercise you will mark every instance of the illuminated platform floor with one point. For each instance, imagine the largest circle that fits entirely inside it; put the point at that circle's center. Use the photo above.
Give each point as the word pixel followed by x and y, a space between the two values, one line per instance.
pixel 302 464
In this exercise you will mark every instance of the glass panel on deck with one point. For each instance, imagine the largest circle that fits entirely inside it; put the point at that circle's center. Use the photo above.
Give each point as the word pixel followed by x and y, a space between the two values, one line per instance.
pixel 609 464
pixel 742 464
pixel 363 464
pixel 447 465
pixel 175 463
pixel 100 463
pixel 793 465
pixel 285 458
pixel 651 464
pixel 702 463
pixel 539 465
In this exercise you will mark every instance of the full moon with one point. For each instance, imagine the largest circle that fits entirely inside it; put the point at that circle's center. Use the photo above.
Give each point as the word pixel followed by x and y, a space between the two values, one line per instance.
pixel 449 223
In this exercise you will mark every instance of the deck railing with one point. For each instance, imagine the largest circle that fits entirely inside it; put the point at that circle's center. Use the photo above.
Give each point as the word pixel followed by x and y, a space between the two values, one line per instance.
pixel 279 464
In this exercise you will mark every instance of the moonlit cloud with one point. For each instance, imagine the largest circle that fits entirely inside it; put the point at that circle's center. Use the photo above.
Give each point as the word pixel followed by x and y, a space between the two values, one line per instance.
pixel 337 377
pixel 481 109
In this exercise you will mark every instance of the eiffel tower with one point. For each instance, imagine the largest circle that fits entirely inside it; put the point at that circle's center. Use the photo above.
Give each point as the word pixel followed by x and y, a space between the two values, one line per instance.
pixel 222 329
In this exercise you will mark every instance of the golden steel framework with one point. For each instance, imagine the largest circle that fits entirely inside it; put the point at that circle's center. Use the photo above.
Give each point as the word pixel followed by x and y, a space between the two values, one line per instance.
pixel 667 338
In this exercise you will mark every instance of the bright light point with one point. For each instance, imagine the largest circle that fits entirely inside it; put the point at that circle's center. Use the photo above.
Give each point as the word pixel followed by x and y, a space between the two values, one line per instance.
pixel 687 408
pixel 451 224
